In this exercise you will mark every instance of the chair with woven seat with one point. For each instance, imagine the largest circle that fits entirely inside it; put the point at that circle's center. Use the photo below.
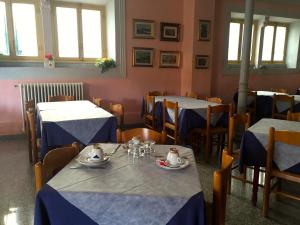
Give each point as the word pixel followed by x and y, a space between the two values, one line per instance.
pixel 219 130
pixel 293 116
pixel 34 141
pixel 53 161
pixel 28 105
pixel 214 99
pixel 97 101
pixel 157 93
pixel 283 99
pixel 170 126
pixel 149 111
pixel 191 95
pixel 118 111
pixel 59 98
pixel 290 138
pixel 142 133
pixel 237 123
pixel 220 183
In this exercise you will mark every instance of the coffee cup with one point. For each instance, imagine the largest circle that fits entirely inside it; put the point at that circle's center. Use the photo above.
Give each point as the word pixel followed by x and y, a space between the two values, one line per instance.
pixel 96 154
pixel 173 157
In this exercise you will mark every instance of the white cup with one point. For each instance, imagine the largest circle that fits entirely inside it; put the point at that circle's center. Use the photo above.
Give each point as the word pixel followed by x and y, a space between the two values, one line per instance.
pixel 96 154
pixel 173 157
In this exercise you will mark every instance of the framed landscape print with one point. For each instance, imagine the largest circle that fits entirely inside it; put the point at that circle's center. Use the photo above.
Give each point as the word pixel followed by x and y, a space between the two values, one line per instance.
pixel 201 61
pixel 169 59
pixel 143 57
pixel 204 30
pixel 169 32
pixel 143 28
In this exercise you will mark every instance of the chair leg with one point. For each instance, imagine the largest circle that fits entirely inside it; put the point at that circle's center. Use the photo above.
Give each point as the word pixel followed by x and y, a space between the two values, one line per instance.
pixel 266 195
pixel 207 148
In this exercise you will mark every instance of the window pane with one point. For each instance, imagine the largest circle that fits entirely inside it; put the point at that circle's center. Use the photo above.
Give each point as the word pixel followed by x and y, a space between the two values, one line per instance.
pixel 279 43
pixel 268 43
pixel 4 46
pixel 25 29
pixel 67 32
pixel 91 32
pixel 233 47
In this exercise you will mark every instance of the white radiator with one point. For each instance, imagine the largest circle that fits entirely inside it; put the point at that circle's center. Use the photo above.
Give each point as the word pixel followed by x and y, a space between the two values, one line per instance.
pixel 39 92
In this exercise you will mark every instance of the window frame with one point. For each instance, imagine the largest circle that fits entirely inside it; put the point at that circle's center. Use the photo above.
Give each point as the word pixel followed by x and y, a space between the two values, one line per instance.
pixel 253 52
pixel 11 37
pixel 78 7
pixel 272 62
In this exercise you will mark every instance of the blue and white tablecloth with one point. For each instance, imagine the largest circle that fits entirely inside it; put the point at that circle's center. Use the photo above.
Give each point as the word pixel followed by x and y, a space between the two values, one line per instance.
pixel 123 193
pixel 255 141
pixel 191 113
pixel 60 123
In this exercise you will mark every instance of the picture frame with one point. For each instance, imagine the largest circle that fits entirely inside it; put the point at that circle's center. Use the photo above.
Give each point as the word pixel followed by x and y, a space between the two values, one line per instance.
pixel 143 29
pixel 201 61
pixel 204 30
pixel 169 31
pixel 142 57
pixel 169 59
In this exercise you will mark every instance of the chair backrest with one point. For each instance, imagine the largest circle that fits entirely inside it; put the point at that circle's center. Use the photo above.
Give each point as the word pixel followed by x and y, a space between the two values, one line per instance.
pixel 143 133
pixel 157 93
pixel 220 188
pixel 280 90
pixel 32 130
pixel 293 116
pixel 217 109
pixel 118 111
pixel 191 94
pixel 214 99
pixel 29 104
pixel 97 101
pixel 235 122
pixel 53 161
pixel 59 98
pixel 173 106
pixel 282 98
pixel 150 104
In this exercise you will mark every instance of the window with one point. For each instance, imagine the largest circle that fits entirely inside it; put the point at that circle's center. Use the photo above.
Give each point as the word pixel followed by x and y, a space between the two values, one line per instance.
pixel 236 33
pixel 80 32
pixel 274 43
pixel 20 30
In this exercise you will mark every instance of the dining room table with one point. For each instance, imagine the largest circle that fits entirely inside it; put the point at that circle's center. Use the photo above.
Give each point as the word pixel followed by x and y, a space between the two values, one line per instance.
pixel 253 149
pixel 123 192
pixel 192 113
pixel 65 122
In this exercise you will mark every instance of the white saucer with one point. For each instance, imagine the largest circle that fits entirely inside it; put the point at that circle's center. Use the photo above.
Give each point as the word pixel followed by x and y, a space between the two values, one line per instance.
pixel 86 161
pixel 183 165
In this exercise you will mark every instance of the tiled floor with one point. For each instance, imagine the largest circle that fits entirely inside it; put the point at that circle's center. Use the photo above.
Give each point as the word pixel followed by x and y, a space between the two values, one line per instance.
pixel 17 193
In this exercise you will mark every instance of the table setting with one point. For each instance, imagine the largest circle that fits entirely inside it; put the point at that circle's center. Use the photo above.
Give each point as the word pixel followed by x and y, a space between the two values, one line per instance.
pixel 125 184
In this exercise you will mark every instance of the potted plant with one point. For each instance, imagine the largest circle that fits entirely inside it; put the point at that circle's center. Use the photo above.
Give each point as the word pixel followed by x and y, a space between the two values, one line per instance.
pixel 105 64
pixel 49 61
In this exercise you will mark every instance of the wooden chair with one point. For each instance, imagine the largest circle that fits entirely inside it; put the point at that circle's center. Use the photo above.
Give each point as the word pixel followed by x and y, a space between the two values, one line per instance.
pixel 287 137
pixel 157 93
pixel 170 127
pixel 214 99
pixel 282 98
pixel 28 105
pixel 97 101
pixel 143 133
pixel 251 107
pixel 118 111
pixel 59 98
pixel 220 183
pixel 293 116
pixel 34 141
pixel 237 122
pixel 53 161
pixel 149 111
pixel 191 95
pixel 209 131
pixel 280 90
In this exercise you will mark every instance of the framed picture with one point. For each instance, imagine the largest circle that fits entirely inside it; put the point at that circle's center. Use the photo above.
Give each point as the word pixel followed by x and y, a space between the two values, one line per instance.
pixel 169 59
pixel 143 57
pixel 169 32
pixel 204 30
pixel 201 61
pixel 143 28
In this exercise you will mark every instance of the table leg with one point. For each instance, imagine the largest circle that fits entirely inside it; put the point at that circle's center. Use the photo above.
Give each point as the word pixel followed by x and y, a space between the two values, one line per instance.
pixel 255 185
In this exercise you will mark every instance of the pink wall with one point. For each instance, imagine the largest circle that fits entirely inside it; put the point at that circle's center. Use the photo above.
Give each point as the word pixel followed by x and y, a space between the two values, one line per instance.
pixel 130 90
